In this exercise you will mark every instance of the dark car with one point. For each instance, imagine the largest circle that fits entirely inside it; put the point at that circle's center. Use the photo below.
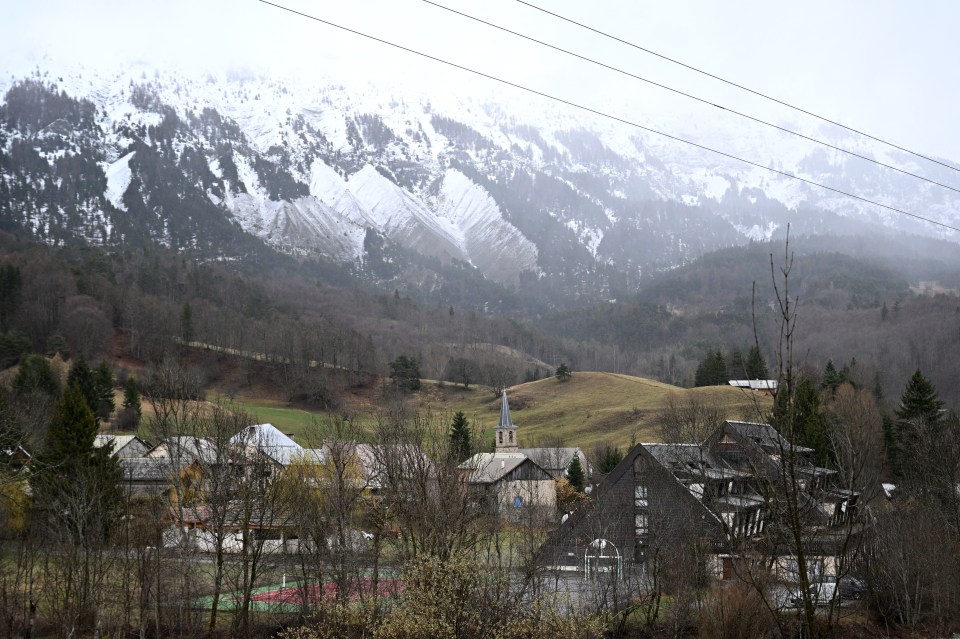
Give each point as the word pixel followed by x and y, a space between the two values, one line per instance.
pixel 851 587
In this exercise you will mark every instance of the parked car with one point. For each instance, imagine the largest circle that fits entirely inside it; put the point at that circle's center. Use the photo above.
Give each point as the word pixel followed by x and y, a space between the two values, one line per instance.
pixel 851 587
pixel 826 588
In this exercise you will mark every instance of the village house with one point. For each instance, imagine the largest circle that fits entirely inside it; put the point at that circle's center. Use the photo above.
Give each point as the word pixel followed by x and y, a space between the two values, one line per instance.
pixel 722 492
pixel 270 450
pixel 507 482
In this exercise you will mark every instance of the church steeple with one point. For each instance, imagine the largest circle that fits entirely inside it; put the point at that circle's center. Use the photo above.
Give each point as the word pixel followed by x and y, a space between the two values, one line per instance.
pixel 506 431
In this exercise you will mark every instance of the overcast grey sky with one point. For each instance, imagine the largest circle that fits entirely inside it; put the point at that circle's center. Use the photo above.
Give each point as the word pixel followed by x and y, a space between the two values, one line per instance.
pixel 886 67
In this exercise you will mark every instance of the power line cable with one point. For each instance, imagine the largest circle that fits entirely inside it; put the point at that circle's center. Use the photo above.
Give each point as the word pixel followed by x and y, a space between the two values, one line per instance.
pixel 738 86
pixel 692 97
pixel 602 114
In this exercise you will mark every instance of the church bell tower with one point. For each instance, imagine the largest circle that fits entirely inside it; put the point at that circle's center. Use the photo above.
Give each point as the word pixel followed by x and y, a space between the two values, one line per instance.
pixel 506 431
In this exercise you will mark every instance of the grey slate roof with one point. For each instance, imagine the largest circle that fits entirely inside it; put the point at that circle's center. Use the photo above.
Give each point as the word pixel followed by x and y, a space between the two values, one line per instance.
pixel 766 436
pixel 120 442
pixel 695 459
pixel 554 459
pixel 185 450
pixel 267 439
pixel 487 468
pixel 146 469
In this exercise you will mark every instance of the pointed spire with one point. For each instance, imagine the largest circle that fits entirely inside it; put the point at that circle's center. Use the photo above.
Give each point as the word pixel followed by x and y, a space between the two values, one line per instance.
pixel 505 420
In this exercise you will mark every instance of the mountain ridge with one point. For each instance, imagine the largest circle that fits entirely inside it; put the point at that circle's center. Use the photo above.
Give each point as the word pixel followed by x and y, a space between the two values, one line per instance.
pixel 310 169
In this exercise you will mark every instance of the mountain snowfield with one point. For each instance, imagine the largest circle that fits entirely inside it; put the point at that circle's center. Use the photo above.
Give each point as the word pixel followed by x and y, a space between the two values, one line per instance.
pixel 312 167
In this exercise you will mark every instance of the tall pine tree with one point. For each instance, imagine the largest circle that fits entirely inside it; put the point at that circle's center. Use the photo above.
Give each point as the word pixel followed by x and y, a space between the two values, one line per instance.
pixel 919 402
pixel 756 367
pixel 103 383
pixel 575 474
pixel 919 410
pixel 712 371
pixel 82 378
pixel 129 416
pixel 460 437
pixel 77 484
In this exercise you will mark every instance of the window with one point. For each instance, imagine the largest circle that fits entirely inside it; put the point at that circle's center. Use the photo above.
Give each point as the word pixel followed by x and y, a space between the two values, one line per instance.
pixel 642 525
pixel 500 437
pixel 640 496
pixel 511 436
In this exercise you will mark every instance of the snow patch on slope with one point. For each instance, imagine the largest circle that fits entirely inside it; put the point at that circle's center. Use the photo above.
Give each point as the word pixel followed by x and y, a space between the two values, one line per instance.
pixel 118 180
pixel 327 186
pixel 405 219
pixel 756 232
pixel 494 245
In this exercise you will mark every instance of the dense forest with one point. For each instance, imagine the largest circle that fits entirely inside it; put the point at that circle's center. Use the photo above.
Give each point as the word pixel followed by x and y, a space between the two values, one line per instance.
pixel 855 311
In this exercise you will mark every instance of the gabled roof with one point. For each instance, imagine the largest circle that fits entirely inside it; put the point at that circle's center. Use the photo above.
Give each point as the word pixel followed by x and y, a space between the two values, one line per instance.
pixel 118 441
pixel 557 458
pixel 269 440
pixel 694 459
pixel 264 435
pixel 487 468
pixel 766 436
pixel 185 449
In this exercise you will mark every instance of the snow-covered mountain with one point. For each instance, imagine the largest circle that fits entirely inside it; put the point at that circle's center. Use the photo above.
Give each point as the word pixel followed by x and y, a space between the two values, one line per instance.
pixel 509 188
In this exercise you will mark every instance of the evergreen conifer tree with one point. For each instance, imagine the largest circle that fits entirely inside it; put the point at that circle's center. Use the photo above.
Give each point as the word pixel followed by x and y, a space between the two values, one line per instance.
pixel 131 397
pixel 460 437
pixel 809 420
pixel 405 372
pixel 712 370
pixel 609 458
pixel 919 401
pixel 756 367
pixel 81 377
pixel 575 474
pixel 129 416
pixel 919 409
pixel 35 373
pixel 809 427
pixel 738 367
pixel 830 376
pixel 103 382
pixel 76 483
pixel 563 373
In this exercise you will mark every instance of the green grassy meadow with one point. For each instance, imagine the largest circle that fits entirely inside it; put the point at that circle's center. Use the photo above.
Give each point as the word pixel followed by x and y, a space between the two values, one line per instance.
pixel 588 409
